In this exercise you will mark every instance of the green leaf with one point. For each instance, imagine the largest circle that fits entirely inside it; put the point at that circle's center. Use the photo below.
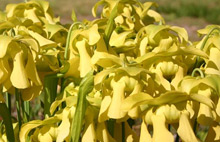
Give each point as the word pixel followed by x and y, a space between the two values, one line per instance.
pixel 4 113
pixel 86 86
pixel 50 88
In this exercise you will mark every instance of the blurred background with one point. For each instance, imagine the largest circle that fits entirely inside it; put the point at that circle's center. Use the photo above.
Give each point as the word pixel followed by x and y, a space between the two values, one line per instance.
pixel 190 14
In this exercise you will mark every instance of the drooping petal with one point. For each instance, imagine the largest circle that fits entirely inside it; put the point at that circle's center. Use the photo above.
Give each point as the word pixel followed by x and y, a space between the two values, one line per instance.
pixel 26 128
pixel 185 130
pixel 19 76
pixel 145 135
pixel 103 134
pixel 104 109
pixel 85 59
pixel 64 128
pixel 160 132
pixel 117 98
pixel 32 71
pixel 205 114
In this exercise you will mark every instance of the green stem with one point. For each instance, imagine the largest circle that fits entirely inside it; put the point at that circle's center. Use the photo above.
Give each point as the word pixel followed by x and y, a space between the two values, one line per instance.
pixel 8 101
pixel 195 127
pixel 17 97
pixel 68 39
pixel 203 44
pixel 7 121
pixel 207 37
pixel 50 90
pixel 199 71
pixel 25 110
pixel 169 127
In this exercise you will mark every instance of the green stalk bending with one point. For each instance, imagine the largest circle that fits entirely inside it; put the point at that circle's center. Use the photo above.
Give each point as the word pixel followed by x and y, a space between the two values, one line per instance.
pixel 203 44
pixel 68 39
pixel 199 71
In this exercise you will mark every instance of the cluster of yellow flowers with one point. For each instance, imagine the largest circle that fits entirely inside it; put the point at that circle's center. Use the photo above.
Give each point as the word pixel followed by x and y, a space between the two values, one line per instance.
pixel 98 76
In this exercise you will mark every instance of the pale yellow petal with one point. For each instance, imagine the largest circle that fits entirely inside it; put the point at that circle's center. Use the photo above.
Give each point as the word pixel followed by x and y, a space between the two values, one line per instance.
pixel 85 59
pixel 145 135
pixel 160 132
pixel 64 127
pixel 19 76
pixel 5 41
pixel 185 130
pixel 104 109
pixel 117 98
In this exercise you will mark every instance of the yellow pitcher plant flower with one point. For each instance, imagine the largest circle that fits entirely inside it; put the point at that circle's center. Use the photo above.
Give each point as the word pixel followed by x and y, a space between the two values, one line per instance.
pixel 96 79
